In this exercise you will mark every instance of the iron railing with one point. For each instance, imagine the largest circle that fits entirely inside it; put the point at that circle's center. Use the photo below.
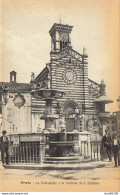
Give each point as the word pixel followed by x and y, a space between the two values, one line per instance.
pixel 26 153
pixel 91 150
pixel 33 153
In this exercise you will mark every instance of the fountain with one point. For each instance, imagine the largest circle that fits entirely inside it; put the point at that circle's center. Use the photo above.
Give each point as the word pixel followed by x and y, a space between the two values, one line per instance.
pixel 48 95
pixel 59 144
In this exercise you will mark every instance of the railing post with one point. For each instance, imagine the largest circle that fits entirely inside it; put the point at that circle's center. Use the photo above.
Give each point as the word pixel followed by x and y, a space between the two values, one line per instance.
pixel 30 151
pixel 23 152
pixel 42 152
pixel 87 150
pixel 33 152
pixel 97 151
pixel 91 150
pixel 12 153
pixel 39 154
pixel 81 148
pixel 94 150
pixel 18 153
pixel 15 153
pixel 26 152
pixel 9 154
pixel 85 154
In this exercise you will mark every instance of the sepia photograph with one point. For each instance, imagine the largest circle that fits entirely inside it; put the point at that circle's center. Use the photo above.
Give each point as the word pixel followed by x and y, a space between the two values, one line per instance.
pixel 60 96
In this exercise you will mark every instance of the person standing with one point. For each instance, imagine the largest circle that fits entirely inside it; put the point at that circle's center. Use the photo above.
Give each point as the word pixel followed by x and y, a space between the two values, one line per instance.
pixel 107 143
pixel 116 148
pixel 4 142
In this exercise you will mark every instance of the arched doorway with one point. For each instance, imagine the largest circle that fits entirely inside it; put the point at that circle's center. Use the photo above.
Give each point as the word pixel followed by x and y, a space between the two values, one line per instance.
pixel 69 108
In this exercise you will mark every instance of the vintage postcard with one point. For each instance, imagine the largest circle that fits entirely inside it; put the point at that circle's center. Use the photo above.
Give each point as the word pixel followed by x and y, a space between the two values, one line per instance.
pixel 60 96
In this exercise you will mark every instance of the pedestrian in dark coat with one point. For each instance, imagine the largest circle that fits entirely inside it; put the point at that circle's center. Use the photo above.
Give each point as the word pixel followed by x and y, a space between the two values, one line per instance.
pixel 116 149
pixel 4 143
pixel 107 143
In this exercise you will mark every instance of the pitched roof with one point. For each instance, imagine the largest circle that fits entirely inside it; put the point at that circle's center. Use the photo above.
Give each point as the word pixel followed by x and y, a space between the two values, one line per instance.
pixel 41 76
pixel 16 87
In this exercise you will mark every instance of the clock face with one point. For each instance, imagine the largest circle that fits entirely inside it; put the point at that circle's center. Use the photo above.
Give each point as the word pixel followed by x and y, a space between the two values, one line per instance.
pixel 69 76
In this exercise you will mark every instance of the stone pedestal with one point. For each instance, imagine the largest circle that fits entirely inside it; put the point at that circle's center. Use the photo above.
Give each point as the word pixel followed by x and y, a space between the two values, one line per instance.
pixel 50 122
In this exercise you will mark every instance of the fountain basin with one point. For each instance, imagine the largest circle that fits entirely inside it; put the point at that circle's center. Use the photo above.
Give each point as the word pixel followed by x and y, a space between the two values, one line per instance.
pixel 60 146
pixel 47 93
pixel 61 149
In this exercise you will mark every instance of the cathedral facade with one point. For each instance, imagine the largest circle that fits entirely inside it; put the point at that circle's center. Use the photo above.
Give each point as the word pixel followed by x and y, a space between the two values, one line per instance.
pixel 81 107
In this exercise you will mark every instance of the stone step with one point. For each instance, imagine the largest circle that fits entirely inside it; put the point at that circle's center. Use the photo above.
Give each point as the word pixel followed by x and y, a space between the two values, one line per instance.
pixel 69 158
pixel 68 161
pixel 77 166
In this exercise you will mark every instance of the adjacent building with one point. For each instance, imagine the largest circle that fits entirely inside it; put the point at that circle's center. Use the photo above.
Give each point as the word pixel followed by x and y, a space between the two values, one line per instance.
pixel 112 123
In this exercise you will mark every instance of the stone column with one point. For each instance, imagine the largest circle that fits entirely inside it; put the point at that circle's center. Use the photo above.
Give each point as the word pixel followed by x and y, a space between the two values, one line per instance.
pixel 42 149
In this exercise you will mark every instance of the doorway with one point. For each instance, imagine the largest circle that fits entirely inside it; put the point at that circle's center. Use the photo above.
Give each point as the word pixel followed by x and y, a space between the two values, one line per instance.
pixel 70 124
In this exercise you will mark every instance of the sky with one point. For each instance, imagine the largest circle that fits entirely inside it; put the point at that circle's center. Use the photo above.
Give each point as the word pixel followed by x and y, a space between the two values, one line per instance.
pixel 26 43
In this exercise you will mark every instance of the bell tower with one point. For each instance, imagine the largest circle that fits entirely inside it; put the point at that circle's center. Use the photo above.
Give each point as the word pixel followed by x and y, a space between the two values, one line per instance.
pixel 60 37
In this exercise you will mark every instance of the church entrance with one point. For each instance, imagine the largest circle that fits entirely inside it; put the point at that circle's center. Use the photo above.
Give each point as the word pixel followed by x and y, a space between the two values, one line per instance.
pixel 70 115
pixel 70 124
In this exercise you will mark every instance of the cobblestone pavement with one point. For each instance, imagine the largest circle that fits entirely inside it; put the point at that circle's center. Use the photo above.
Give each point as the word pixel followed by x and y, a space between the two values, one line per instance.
pixel 91 174
pixel 105 179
